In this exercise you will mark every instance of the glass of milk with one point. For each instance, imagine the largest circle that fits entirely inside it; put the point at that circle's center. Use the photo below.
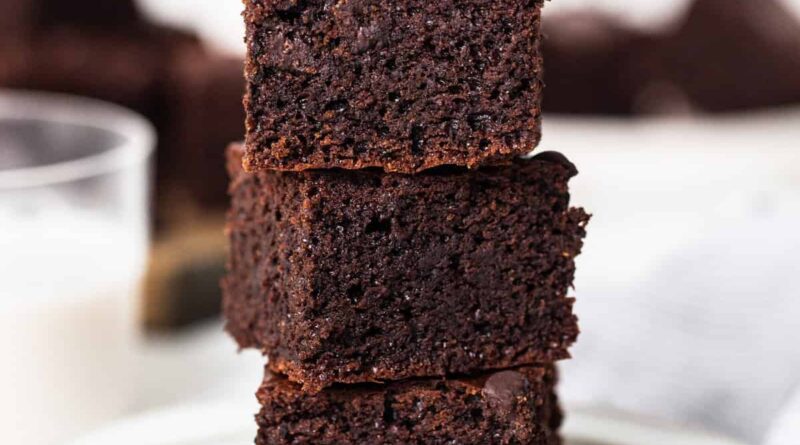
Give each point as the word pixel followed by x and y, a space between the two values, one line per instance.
pixel 74 223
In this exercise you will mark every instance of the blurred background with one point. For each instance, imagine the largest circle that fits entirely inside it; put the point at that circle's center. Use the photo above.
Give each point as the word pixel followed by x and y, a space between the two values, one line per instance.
pixel 682 115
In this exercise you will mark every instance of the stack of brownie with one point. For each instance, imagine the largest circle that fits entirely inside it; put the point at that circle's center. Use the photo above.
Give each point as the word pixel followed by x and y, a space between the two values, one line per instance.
pixel 401 263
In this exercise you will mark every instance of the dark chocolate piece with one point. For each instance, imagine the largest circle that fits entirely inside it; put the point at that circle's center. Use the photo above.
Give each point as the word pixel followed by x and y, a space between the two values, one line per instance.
pixel 557 158
pixel 182 283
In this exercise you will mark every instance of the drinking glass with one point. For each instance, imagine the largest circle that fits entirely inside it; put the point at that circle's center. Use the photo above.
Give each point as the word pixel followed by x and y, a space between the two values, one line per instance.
pixel 74 234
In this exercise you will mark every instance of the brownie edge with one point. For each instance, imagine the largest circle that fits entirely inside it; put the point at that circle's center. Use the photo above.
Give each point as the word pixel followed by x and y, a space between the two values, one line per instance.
pixel 508 407
pixel 362 276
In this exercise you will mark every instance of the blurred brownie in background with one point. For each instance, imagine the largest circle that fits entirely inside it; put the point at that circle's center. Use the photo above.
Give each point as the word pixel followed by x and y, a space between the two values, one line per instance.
pixel 201 113
pixel 24 19
pixel 12 23
pixel 597 64
pixel 736 55
pixel 182 285
pixel 13 30
pixel 721 55
pixel 109 51
pixel 588 57
pixel 205 101
pixel 124 68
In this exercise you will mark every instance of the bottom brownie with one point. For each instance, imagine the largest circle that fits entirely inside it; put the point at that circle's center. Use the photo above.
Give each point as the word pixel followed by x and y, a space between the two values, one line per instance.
pixel 507 407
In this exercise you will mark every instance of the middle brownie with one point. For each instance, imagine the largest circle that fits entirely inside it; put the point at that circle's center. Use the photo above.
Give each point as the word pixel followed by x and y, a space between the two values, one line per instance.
pixel 355 276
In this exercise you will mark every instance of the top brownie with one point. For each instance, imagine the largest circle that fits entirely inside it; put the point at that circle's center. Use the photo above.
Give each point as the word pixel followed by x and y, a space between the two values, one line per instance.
pixel 400 85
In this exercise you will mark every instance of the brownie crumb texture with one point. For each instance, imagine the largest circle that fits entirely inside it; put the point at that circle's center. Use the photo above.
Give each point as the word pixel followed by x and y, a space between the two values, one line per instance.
pixel 403 86
pixel 512 407
pixel 348 277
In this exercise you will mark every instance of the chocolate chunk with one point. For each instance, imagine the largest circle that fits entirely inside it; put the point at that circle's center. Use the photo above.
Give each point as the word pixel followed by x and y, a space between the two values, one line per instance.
pixel 557 158
pixel 503 389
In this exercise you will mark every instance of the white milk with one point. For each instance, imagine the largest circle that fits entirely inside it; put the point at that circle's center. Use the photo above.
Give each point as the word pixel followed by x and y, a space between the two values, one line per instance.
pixel 67 323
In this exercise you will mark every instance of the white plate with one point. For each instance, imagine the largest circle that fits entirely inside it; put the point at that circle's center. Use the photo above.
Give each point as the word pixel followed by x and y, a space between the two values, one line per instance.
pixel 596 427
pixel 232 424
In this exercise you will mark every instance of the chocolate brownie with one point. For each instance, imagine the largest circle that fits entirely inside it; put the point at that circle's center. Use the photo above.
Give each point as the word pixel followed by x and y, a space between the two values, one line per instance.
pixel 12 19
pixel 109 67
pixel 182 283
pixel 84 13
pixel 27 19
pixel 127 68
pixel 352 276
pixel 737 54
pixel 401 85
pixel 204 100
pixel 508 407
pixel 598 64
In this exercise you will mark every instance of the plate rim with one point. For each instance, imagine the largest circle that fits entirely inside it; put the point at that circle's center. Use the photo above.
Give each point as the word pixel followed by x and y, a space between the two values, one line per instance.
pixel 235 422
pixel 609 426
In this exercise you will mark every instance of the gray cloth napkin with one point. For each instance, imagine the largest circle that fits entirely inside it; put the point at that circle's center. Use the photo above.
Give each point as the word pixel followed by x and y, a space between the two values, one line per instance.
pixel 709 335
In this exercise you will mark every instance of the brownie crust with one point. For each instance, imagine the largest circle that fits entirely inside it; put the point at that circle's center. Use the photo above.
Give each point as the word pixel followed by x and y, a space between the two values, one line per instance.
pixel 342 276
pixel 13 21
pixel 508 407
pixel 403 86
